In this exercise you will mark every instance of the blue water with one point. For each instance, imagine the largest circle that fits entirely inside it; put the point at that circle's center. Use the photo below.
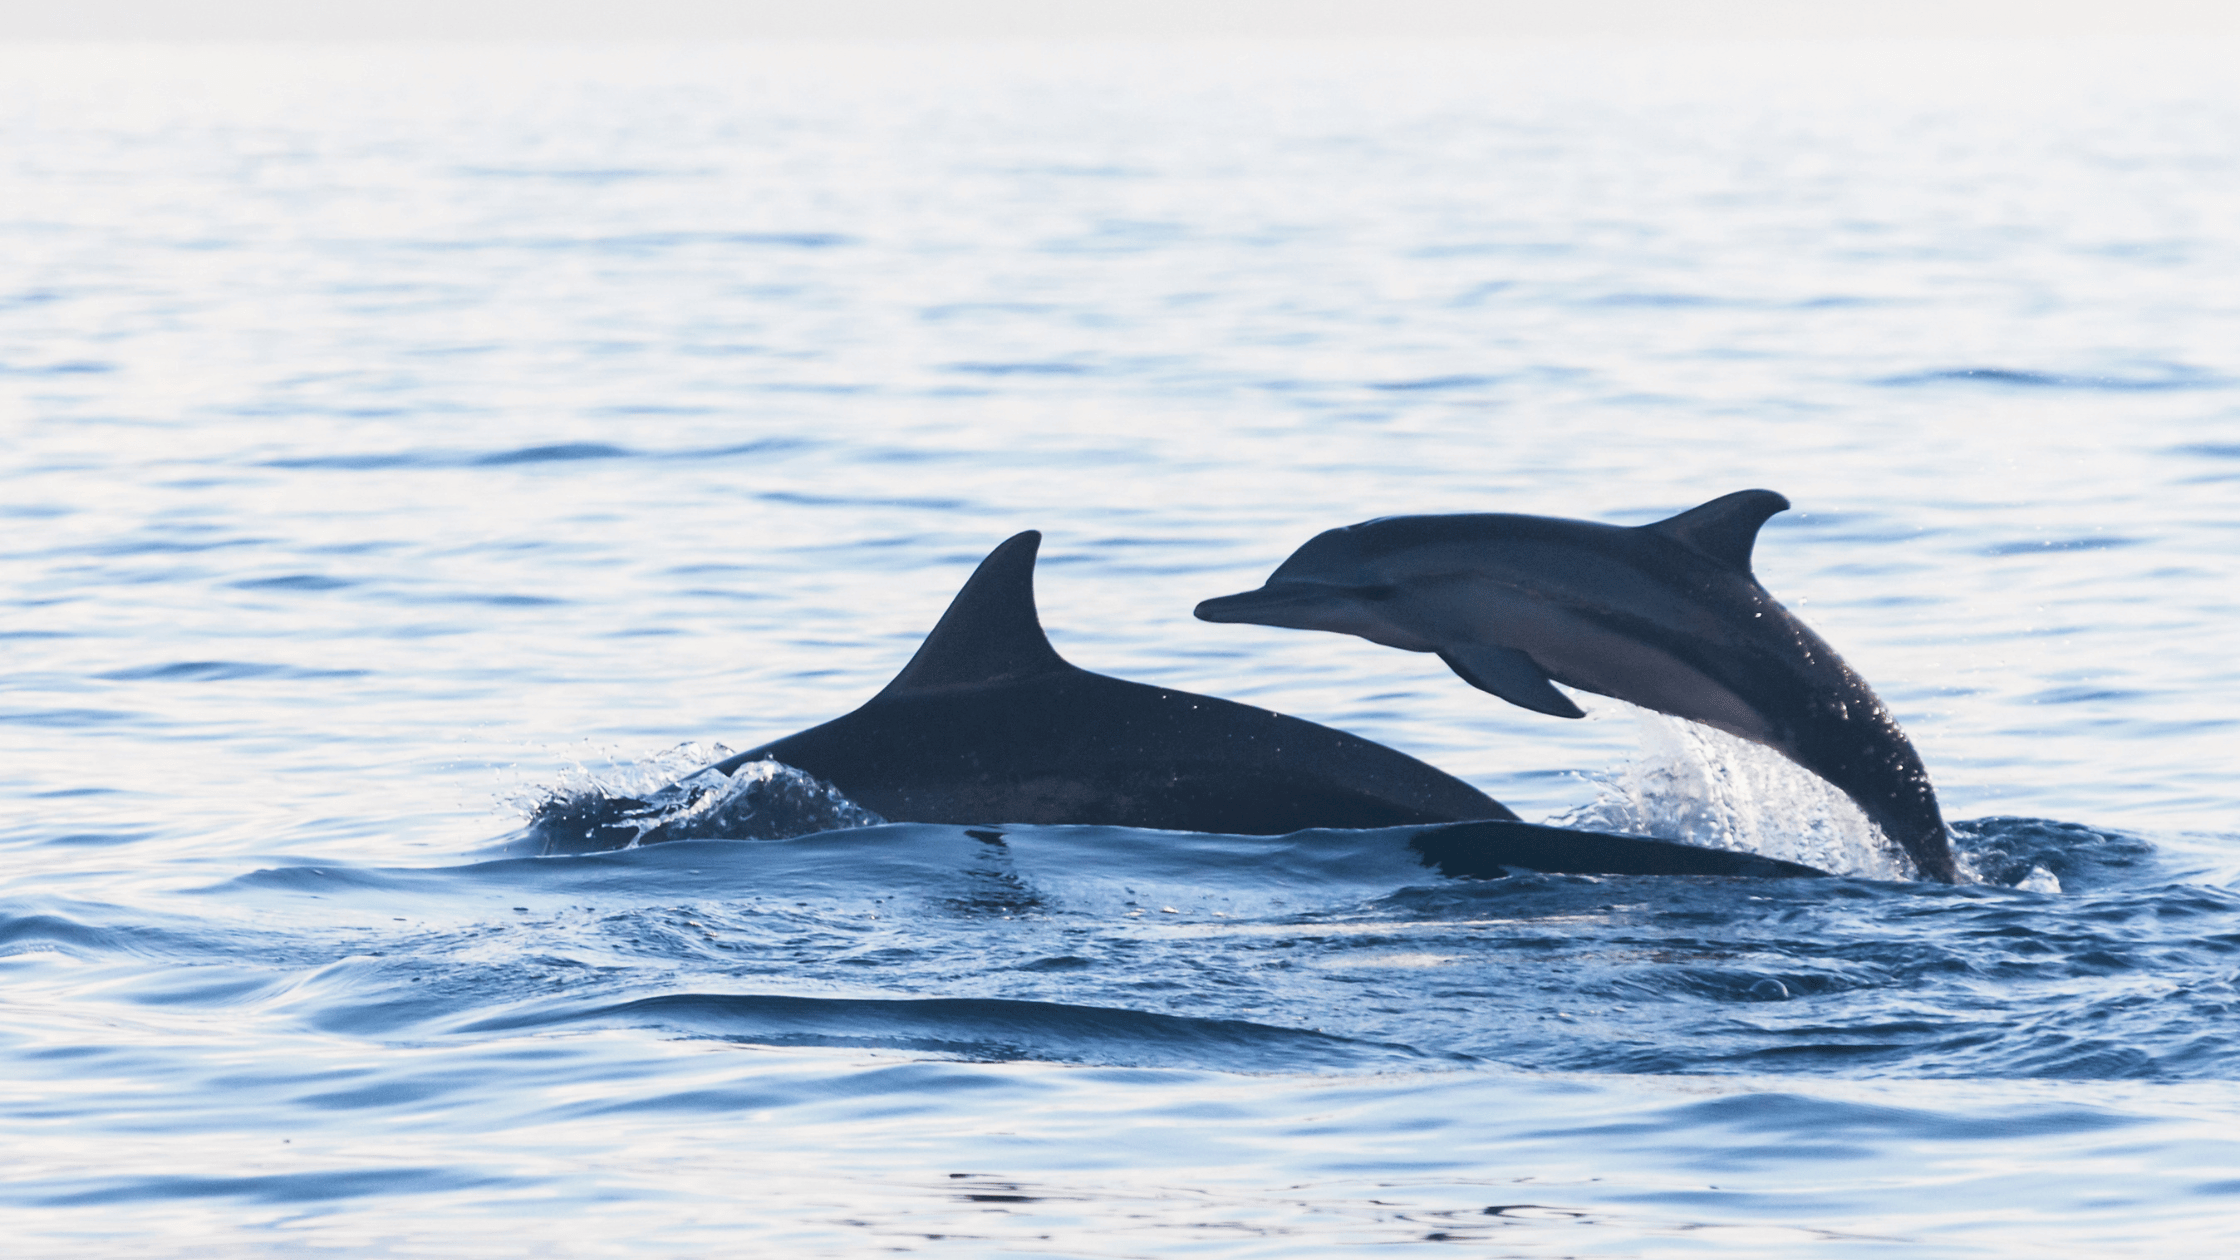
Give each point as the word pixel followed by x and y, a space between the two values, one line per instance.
pixel 396 439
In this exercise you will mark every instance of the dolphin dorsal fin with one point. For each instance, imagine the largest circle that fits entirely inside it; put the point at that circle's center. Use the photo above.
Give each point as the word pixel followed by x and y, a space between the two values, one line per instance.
pixel 990 632
pixel 1724 529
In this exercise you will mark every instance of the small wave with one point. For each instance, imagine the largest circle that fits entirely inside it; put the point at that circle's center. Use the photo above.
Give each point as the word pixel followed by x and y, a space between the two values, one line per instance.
pixel 1432 383
pixel 271 1188
pixel 982 1028
pixel 560 453
pixel 1801 1117
pixel 2077 694
pixel 97 839
pixel 564 452
pixel 2030 853
pixel 33 932
pixel 295 582
pixel 506 601
pixel 2172 379
pixel 74 368
pixel 221 671
pixel 168 546
pixel 760 446
pixel 333 878
pixel 65 717
pixel 400 459
pixel 804 499
pixel 2035 546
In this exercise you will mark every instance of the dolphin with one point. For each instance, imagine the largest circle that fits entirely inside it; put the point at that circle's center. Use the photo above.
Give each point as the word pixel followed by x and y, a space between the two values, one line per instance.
pixel 1667 616
pixel 987 724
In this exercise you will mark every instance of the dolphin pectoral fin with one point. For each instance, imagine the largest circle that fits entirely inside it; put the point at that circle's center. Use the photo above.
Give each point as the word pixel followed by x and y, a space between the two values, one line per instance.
pixel 1511 675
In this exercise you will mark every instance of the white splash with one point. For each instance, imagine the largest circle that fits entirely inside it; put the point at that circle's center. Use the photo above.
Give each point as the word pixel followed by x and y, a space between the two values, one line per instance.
pixel 761 800
pixel 1701 786
pixel 675 794
pixel 634 777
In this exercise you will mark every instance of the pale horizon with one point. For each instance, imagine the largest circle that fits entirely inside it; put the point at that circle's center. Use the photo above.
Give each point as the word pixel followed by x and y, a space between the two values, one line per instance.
pixel 159 21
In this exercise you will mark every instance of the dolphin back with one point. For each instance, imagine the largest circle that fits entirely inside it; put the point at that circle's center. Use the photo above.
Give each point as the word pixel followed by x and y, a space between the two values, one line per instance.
pixel 1084 748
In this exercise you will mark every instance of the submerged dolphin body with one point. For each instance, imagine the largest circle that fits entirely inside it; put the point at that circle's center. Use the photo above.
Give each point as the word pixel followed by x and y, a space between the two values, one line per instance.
pixel 1667 616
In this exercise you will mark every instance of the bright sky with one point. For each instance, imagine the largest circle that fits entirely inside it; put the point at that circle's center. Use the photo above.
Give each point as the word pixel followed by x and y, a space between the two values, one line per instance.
pixel 917 19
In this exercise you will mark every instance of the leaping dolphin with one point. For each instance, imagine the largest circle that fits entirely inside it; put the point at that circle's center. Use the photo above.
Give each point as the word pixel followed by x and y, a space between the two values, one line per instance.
pixel 1667 616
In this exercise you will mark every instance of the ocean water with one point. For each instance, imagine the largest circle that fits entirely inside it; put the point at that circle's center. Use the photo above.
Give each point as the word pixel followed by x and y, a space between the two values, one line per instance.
pixel 396 438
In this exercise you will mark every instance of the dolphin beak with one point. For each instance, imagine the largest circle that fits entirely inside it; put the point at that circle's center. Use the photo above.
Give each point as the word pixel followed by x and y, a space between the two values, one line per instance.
pixel 1276 604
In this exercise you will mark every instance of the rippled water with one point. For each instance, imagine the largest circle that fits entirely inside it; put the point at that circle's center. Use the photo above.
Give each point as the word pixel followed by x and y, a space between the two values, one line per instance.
pixel 395 438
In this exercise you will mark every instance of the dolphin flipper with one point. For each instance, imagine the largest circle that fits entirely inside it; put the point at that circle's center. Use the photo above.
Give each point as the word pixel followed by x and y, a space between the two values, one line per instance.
pixel 1511 675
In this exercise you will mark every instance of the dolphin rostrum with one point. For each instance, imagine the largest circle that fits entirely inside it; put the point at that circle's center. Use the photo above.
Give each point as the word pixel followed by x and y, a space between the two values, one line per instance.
pixel 1667 616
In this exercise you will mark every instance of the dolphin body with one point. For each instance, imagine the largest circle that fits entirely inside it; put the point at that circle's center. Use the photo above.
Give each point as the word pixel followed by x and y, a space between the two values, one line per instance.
pixel 988 725
pixel 1667 616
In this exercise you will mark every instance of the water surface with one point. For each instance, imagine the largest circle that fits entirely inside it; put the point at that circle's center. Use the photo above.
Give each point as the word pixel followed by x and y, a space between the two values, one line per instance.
pixel 395 437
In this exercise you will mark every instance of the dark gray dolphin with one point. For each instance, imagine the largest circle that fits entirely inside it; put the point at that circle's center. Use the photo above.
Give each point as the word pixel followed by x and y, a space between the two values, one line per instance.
pixel 1667 616
pixel 988 724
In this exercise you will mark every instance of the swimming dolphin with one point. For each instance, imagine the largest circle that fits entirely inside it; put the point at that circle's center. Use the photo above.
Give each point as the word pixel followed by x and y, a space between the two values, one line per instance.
pixel 987 724
pixel 1667 616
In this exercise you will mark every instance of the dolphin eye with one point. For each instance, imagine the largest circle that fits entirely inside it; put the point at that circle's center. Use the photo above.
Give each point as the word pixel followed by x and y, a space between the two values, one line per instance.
pixel 1374 594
